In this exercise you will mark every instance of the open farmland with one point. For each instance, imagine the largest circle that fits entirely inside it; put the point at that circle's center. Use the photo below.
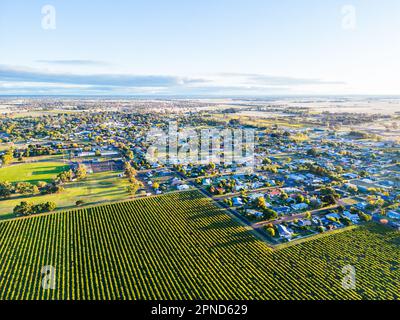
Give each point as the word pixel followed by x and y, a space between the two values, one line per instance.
pixel 181 246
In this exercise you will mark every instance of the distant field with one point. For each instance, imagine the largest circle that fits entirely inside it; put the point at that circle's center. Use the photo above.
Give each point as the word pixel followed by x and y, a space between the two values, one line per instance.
pixel 257 121
pixel 96 188
pixel 32 172
pixel 181 246
pixel 39 113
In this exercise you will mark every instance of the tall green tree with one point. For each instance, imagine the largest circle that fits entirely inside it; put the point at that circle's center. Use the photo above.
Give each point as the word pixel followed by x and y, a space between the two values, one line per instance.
pixel 6 189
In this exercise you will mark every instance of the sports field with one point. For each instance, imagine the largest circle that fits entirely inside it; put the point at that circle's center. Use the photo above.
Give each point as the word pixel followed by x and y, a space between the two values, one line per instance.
pixel 32 172
pixel 181 246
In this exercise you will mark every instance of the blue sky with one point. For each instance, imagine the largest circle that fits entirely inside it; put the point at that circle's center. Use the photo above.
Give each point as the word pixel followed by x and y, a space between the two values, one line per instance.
pixel 207 47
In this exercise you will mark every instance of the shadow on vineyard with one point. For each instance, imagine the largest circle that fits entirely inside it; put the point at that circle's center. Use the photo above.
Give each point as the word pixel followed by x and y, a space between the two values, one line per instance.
pixel 238 238
pixel 199 214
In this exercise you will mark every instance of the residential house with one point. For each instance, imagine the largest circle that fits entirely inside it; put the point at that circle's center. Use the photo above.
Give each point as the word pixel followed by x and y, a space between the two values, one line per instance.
pixel 304 223
pixel 284 232
pixel 237 201
pixel 299 206
pixel 182 187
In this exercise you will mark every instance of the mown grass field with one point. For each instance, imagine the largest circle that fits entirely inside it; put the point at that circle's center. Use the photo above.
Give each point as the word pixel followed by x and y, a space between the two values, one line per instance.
pixel 181 246
pixel 32 172
pixel 96 188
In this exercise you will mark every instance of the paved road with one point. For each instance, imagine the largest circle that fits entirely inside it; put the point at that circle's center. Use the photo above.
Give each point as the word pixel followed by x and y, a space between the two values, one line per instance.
pixel 293 217
pixel 234 194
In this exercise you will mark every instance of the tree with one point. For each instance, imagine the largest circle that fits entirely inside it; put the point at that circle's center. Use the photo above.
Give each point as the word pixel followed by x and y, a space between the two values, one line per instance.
pixel 41 184
pixel 26 188
pixel 307 215
pixel 284 196
pixel 271 232
pixel 352 188
pixel 49 206
pixel 24 208
pixel 339 169
pixel 8 157
pixel 261 203
pixel 156 185
pixel 27 208
pixel 329 195
pixel 65 176
pixel 270 214
pixel 300 198
pixel 365 217
pixel 81 172
pixel 363 173
pixel 6 189
pixel 129 171
pixel 134 186
pixel 313 152
pixel 266 161
pixel 130 155
pixel 52 188
pixel 271 168
pixel 329 199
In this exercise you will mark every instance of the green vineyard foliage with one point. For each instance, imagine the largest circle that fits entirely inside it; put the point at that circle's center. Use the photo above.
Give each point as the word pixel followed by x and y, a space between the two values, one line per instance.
pixel 182 246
